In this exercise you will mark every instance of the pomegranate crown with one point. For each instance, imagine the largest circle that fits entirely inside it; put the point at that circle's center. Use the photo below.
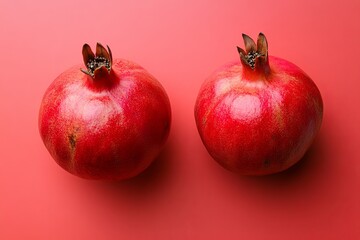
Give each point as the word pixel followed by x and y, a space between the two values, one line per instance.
pixel 98 62
pixel 255 55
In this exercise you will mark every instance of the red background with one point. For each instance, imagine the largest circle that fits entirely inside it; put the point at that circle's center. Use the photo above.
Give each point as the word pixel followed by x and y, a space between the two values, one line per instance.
pixel 184 194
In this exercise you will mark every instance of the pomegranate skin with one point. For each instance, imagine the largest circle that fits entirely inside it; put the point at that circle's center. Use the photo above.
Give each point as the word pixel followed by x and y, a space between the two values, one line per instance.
pixel 258 121
pixel 109 127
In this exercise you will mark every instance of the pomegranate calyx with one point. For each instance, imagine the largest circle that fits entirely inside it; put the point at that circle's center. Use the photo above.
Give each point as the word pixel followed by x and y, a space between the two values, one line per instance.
pixel 98 62
pixel 255 55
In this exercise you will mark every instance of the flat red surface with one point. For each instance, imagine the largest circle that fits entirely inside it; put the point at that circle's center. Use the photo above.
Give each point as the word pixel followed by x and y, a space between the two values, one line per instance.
pixel 184 194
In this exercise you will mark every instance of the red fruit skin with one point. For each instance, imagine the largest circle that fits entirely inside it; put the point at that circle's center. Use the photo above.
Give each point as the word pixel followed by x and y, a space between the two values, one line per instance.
pixel 111 127
pixel 257 125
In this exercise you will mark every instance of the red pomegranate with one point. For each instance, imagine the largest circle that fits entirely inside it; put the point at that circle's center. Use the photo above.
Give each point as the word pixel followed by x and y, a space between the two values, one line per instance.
pixel 258 115
pixel 107 122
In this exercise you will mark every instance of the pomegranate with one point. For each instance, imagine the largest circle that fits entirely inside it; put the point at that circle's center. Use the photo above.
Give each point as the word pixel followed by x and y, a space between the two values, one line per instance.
pixel 259 115
pixel 109 121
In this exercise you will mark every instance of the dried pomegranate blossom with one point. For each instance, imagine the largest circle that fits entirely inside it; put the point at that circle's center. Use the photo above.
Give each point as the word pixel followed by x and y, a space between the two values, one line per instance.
pixel 102 59
pixel 109 123
pixel 258 115
pixel 255 55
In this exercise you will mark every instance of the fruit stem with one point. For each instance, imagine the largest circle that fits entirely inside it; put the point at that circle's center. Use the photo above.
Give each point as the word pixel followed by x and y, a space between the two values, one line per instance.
pixel 255 55
pixel 96 63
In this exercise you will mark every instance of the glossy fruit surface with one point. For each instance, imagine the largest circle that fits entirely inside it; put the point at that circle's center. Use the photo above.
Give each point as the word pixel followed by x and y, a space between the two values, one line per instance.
pixel 109 121
pixel 258 115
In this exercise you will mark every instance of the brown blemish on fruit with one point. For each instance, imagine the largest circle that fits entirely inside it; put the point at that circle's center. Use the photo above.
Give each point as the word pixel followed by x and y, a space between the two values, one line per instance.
pixel 72 137
pixel 279 117
pixel 72 141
